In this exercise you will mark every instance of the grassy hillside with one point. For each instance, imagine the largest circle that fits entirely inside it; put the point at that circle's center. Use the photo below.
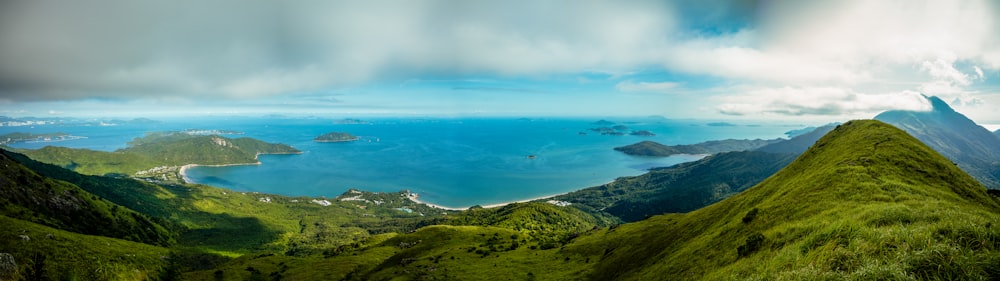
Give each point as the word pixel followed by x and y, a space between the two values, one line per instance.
pixel 25 195
pixel 651 148
pixel 518 242
pixel 45 253
pixel 866 202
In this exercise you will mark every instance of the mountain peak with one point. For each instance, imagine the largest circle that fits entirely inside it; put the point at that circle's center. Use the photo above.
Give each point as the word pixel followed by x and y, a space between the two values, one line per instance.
pixel 939 105
pixel 955 136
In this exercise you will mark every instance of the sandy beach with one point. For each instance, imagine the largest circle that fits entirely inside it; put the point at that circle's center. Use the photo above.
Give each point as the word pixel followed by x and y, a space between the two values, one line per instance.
pixel 416 199
pixel 183 170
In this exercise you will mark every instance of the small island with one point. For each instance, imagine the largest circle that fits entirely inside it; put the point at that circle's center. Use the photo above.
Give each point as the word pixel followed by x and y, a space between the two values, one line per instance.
pixel 336 137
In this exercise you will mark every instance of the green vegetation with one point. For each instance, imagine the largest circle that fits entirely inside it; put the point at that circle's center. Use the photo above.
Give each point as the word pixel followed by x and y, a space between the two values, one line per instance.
pixel 651 148
pixel 27 196
pixel 159 155
pixel 45 253
pixel 210 225
pixel 867 201
pixel 336 137
pixel 681 188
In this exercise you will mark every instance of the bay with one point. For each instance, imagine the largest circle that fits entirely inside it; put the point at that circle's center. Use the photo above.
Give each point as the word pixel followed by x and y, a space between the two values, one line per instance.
pixel 452 162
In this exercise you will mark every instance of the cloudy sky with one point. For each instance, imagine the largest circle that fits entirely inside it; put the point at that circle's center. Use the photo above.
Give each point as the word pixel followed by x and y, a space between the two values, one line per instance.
pixel 706 59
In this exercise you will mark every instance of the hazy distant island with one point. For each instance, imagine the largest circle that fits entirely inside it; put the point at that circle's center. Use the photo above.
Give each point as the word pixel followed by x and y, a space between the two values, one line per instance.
pixel 351 121
pixel 336 137
pixel 29 137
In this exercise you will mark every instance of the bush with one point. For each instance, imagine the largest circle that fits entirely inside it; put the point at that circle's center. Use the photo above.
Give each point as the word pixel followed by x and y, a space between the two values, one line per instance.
pixel 754 243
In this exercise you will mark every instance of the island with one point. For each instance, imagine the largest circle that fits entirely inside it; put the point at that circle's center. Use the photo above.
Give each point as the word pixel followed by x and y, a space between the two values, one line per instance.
pixel 642 133
pixel 160 156
pixel 350 121
pixel 651 148
pixel 29 137
pixel 336 137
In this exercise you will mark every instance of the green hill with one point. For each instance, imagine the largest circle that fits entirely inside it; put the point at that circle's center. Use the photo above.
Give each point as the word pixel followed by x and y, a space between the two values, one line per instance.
pixel 25 195
pixel 46 253
pixel 159 154
pixel 866 202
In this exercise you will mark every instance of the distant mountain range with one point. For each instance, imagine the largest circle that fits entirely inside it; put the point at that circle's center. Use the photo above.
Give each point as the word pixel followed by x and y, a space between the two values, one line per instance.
pixel 972 147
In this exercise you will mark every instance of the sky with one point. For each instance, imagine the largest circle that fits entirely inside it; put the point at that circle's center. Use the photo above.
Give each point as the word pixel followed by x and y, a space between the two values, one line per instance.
pixel 760 60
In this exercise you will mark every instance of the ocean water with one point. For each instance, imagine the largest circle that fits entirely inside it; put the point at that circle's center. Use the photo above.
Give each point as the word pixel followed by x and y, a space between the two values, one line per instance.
pixel 456 162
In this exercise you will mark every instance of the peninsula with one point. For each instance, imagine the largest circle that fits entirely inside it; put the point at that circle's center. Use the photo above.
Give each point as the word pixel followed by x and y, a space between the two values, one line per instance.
pixel 336 137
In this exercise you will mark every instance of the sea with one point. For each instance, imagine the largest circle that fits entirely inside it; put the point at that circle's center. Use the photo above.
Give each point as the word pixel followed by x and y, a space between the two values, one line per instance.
pixel 450 162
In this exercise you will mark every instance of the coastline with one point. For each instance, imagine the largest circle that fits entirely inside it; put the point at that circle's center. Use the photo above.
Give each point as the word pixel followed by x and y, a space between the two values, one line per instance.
pixel 416 199
pixel 182 172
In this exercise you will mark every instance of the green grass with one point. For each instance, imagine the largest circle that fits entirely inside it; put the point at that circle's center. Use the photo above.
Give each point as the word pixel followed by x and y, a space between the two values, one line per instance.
pixel 53 254
pixel 866 202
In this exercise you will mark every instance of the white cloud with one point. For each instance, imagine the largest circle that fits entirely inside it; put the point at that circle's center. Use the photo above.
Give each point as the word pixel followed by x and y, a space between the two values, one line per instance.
pixel 652 87
pixel 829 101
pixel 819 57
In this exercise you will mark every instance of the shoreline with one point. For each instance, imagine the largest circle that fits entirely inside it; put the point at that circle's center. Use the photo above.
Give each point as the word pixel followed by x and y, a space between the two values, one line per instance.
pixel 182 172
pixel 416 199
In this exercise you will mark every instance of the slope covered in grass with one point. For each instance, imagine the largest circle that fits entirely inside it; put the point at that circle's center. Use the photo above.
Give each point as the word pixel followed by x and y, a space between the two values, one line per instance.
pixel 45 253
pixel 518 242
pixel 867 201
pixel 25 195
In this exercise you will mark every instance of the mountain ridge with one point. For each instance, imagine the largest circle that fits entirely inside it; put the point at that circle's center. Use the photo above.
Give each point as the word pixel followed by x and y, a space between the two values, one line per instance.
pixel 975 149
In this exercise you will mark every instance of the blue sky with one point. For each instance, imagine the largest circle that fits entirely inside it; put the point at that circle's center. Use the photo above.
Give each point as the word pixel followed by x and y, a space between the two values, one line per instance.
pixel 781 60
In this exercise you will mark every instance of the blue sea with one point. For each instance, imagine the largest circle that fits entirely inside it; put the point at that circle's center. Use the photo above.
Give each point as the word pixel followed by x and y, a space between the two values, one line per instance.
pixel 453 162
